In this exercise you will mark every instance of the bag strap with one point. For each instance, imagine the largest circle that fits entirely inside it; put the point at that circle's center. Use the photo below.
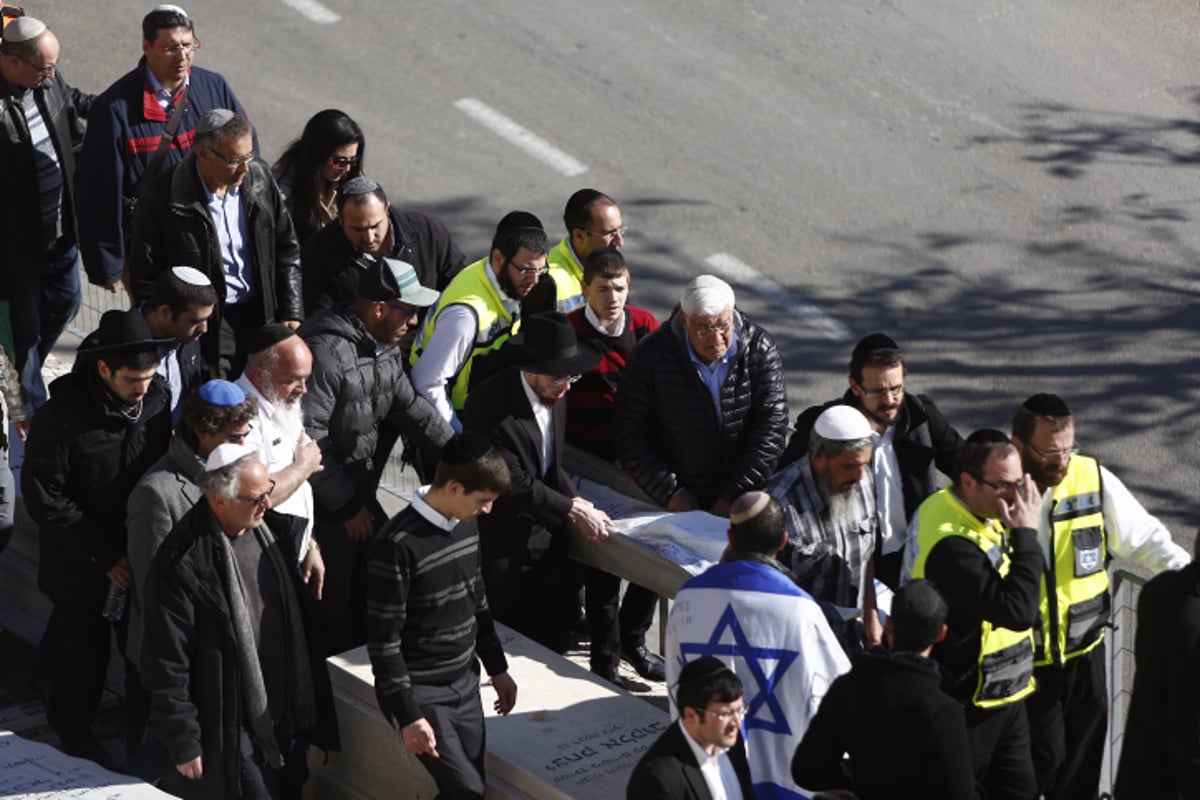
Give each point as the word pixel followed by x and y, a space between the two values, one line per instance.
pixel 164 143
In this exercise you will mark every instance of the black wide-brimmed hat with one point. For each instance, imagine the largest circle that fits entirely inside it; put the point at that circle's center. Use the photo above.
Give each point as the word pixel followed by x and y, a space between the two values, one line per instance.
pixel 547 345
pixel 123 330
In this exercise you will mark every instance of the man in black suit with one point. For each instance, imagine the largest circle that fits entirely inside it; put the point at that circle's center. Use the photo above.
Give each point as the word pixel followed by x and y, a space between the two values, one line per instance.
pixel 530 585
pixel 702 757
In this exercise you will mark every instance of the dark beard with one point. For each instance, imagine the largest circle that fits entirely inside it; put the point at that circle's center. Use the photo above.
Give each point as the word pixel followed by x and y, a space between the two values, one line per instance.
pixel 508 284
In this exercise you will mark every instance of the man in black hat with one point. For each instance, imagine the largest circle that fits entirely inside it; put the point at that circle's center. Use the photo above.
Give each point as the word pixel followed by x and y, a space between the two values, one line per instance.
pixel 358 385
pixel 530 585
pixel 477 313
pixel 88 446
pixel 1088 516
pixel 912 442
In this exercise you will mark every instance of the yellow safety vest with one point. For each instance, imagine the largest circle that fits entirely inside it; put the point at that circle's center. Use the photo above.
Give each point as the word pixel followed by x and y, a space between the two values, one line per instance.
pixel 473 288
pixel 1005 656
pixel 567 273
pixel 1075 602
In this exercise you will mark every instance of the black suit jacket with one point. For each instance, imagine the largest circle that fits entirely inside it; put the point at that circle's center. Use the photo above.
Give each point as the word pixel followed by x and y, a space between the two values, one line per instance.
pixel 668 770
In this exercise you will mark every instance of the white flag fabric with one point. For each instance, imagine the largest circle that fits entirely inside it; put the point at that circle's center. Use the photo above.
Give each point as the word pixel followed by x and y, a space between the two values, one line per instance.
pixel 774 637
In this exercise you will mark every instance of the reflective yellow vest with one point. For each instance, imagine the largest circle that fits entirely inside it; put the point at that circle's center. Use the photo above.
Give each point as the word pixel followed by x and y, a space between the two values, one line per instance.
pixel 473 288
pixel 567 273
pixel 1075 602
pixel 1005 656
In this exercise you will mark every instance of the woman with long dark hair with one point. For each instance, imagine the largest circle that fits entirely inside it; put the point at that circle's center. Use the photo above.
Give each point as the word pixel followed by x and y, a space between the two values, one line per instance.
pixel 328 153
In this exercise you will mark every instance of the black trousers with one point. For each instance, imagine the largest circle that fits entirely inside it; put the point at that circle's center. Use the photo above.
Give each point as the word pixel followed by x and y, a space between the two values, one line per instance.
pixel 609 628
pixel 455 713
pixel 237 323
pixel 1068 719
pixel 342 612
pixel 999 742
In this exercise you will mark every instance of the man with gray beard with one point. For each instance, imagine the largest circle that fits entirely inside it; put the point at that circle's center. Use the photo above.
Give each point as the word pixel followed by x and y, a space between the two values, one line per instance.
pixel 276 375
pixel 828 498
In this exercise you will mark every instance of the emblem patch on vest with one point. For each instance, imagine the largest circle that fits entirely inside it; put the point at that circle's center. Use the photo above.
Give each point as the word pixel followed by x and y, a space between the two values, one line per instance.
pixel 1089 556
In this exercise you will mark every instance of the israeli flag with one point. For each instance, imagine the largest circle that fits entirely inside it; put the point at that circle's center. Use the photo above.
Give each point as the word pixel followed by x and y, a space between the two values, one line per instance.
pixel 773 635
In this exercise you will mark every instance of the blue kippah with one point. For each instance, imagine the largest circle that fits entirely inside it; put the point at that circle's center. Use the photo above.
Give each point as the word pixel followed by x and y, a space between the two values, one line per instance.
pixel 222 393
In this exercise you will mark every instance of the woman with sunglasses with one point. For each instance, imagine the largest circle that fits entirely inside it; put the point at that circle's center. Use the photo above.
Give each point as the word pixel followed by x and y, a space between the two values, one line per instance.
pixel 328 153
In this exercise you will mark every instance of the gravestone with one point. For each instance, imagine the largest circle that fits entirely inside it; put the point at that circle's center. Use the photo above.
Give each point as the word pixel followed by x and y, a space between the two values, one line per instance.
pixel 34 771
pixel 571 735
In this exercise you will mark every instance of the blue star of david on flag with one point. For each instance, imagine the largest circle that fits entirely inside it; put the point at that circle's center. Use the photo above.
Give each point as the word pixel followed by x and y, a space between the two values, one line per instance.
pixel 764 700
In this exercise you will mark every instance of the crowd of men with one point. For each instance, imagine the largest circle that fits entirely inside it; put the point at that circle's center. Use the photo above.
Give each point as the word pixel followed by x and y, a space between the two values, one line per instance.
pixel 205 482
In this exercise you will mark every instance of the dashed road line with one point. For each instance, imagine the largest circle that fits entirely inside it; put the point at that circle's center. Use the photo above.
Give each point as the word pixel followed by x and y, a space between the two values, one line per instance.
pixel 736 270
pixel 516 134
pixel 317 12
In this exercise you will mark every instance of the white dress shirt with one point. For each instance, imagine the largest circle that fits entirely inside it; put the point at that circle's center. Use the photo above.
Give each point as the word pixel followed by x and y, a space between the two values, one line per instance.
pixel 889 493
pixel 717 770
pixel 544 415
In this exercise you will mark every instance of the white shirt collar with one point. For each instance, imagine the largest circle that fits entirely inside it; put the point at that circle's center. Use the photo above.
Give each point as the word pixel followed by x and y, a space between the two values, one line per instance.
pixel 595 322
pixel 431 514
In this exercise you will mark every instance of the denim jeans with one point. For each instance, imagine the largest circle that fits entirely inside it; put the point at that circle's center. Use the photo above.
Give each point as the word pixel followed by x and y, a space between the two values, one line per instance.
pixel 41 305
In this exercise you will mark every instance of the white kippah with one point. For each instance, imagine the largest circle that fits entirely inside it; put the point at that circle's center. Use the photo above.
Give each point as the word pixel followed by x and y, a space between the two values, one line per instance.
pixel 191 275
pixel 169 7
pixel 22 29
pixel 225 454
pixel 842 424
pixel 214 119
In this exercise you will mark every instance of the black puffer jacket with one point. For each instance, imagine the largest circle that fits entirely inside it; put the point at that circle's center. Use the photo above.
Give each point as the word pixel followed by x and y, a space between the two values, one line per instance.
pixel 665 429
pixel 355 386
pixel 83 457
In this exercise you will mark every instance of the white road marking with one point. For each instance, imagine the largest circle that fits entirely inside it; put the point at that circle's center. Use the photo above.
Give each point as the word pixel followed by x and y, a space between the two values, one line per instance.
pixel 737 271
pixel 315 11
pixel 516 134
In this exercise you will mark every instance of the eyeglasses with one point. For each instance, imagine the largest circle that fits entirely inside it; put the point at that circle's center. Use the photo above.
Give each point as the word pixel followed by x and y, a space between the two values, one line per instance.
pixel 177 49
pixel 888 391
pixel 359 186
pixel 233 162
pixel 610 235
pixel 1004 486
pixel 343 161
pixel 261 499
pixel 569 379
pixel 724 716
pixel 1054 455
pixel 45 71
pixel 405 307
pixel 527 271
pixel 236 438
pixel 713 328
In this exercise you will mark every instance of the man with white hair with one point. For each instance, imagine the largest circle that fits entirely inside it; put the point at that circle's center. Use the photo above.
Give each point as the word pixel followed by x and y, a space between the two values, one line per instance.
pixel 701 409
pixel 829 501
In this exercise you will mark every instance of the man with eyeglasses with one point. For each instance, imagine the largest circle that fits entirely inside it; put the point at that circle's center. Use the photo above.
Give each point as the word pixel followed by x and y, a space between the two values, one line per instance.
pixel 976 541
pixel 913 442
pixel 592 220
pixel 357 387
pixel 476 314
pixel 40 128
pixel 124 131
pixel 367 229
pixel 237 679
pixel 701 408
pixel 1088 517
pixel 220 210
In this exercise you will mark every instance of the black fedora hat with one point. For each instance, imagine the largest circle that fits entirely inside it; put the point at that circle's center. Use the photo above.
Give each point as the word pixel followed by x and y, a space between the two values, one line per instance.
pixel 547 345
pixel 123 330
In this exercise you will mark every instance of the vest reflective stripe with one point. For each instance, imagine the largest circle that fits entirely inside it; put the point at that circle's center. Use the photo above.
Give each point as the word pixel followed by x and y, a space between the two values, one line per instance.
pixel 568 277
pixel 1005 656
pixel 473 288
pixel 1075 602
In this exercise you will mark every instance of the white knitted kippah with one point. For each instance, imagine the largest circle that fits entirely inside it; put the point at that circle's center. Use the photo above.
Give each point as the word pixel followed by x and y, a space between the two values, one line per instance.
pixel 191 275
pixel 22 29
pixel 225 454
pixel 842 424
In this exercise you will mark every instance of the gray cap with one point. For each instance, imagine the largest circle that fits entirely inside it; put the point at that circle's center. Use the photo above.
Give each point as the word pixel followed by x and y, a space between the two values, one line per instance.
pixel 23 29
pixel 214 120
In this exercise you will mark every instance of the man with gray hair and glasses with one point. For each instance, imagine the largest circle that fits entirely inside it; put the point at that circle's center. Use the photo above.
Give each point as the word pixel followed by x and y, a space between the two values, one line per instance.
pixel 220 211
pixel 701 408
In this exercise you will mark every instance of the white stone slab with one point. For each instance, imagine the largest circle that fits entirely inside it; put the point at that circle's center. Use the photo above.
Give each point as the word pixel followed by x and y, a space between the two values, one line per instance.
pixel 33 771
pixel 570 735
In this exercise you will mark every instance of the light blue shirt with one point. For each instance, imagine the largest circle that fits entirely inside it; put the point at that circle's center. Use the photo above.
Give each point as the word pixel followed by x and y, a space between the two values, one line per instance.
pixel 161 95
pixel 230 223
pixel 714 375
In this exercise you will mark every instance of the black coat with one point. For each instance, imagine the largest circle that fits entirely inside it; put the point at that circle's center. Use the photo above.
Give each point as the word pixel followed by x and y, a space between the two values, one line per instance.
pixel 668 770
pixel 190 658
pixel 62 108
pixel 1160 754
pixel 331 268
pixel 924 442
pixel 666 432
pixel 173 227
pixel 82 459
pixel 905 736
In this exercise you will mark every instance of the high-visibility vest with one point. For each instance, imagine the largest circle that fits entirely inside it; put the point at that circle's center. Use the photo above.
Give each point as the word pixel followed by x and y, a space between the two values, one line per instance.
pixel 472 288
pixel 1075 603
pixel 567 273
pixel 1005 663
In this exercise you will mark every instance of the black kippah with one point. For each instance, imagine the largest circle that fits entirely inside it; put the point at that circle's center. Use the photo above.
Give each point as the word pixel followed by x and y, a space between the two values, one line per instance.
pixel 700 669
pixel 268 336
pixel 516 220
pixel 464 448
pixel 874 341
pixel 1045 404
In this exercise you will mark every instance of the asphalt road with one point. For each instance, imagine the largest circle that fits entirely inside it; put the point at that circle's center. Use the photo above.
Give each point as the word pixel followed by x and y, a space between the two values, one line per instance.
pixel 1007 188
